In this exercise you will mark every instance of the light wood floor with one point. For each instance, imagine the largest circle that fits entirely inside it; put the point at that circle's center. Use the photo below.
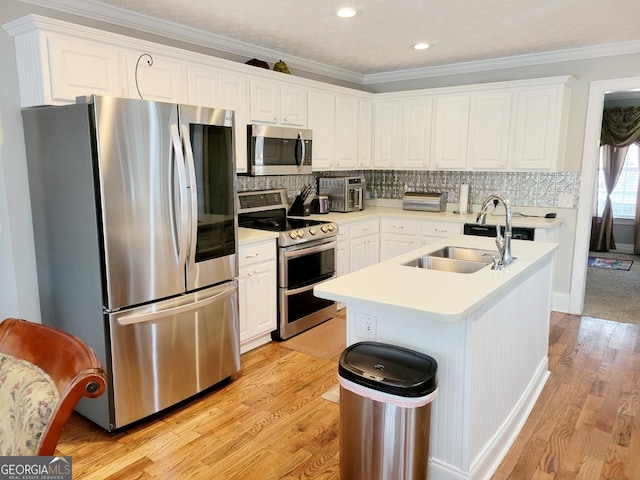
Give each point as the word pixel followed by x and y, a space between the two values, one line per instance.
pixel 270 422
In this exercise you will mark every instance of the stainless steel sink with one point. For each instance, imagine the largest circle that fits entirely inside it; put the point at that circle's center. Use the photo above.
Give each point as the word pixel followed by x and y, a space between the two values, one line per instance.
pixel 463 253
pixel 454 259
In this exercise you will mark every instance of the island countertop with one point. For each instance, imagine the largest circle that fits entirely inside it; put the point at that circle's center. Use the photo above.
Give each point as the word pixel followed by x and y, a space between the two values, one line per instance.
pixel 443 296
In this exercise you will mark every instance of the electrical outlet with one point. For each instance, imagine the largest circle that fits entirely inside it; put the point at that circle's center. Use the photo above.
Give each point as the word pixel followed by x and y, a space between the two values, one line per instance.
pixel 365 326
pixel 565 200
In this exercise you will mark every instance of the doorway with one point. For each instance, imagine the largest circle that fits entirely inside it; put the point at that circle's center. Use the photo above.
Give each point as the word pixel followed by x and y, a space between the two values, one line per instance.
pixel 597 93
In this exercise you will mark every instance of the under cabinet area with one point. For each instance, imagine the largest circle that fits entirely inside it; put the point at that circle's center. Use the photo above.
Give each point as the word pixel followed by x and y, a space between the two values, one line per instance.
pixel 257 287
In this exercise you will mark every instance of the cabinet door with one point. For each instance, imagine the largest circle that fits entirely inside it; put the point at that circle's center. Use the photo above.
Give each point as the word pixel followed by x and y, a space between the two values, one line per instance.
pixel 537 129
pixel 416 133
pixel 258 290
pixel 233 96
pixel 82 68
pixel 451 132
pixel 386 150
pixel 364 252
pixel 163 79
pixel 342 258
pixel 321 122
pixel 394 244
pixel 489 130
pixel 265 101
pixel 203 86
pixel 365 132
pixel 346 132
pixel 293 105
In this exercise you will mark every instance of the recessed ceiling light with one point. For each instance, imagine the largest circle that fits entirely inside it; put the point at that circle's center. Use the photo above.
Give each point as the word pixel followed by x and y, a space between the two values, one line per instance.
pixel 420 46
pixel 346 12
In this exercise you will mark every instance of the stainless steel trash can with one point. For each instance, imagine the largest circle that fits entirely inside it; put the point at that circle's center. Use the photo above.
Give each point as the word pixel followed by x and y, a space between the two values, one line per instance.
pixel 385 411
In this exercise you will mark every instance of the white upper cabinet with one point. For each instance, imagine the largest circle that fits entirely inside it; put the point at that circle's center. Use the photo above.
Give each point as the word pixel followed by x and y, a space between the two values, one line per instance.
pixel 79 68
pixel 416 133
pixel 511 125
pixel 341 126
pixel 387 134
pixel 490 129
pixel 365 134
pixel 322 112
pixel 346 132
pixel 451 132
pixel 540 127
pixel 278 103
pixel 156 77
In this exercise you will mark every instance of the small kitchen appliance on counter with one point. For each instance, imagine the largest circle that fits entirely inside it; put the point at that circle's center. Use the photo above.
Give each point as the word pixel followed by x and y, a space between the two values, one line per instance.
pixel 425 201
pixel 301 206
pixel 306 257
pixel 320 204
pixel 346 194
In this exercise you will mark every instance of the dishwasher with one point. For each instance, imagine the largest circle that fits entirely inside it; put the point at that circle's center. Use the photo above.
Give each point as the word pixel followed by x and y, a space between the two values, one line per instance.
pixel 517 233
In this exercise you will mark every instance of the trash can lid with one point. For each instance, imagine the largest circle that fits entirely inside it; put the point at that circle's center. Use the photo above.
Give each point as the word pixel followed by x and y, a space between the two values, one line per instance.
pixel 389 368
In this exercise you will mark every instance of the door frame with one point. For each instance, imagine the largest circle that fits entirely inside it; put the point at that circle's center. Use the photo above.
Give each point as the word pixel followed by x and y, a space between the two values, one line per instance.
pixel 591 152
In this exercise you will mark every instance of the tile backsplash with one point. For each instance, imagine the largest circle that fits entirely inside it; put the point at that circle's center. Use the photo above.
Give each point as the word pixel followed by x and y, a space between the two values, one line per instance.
pixel 524 189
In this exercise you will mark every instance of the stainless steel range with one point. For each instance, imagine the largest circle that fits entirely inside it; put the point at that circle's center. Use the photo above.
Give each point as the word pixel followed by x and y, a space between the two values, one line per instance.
pixel 306 257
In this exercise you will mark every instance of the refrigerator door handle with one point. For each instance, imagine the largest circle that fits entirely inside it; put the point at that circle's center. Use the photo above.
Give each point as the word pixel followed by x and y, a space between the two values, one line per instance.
pixel 183 232
pixel 193 188
pixel 145 316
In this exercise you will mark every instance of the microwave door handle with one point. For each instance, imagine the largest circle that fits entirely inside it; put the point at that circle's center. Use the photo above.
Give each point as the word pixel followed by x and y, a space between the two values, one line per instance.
pixel 300 160
pixel 193 192
pixel 180 231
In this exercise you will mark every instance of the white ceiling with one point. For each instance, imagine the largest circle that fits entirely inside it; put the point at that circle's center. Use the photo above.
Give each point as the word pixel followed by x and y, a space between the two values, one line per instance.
pixel 376 43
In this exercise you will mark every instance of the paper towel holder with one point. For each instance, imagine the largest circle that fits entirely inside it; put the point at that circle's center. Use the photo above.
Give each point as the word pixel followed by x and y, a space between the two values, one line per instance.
pixel 464 200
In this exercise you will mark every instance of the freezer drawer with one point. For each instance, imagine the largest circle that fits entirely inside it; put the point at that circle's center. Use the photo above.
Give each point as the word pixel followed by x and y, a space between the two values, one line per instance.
pixel 166 352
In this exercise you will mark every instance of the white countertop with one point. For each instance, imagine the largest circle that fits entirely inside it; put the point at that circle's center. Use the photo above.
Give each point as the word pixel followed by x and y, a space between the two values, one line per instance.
pixel 444 296
pixel 449 216
pixel 252 235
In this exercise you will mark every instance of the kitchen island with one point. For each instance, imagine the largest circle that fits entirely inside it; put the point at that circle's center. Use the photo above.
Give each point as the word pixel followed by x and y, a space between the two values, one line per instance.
pixel 488 331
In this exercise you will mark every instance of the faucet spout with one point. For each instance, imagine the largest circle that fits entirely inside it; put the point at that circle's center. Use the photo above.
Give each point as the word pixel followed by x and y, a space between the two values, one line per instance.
pixel 503 242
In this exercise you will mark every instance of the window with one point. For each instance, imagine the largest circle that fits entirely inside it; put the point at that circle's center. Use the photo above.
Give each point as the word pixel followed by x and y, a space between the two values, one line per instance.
pixel 623 197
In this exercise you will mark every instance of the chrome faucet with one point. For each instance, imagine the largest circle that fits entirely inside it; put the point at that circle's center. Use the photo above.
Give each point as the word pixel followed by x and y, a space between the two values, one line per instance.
pixel 502 242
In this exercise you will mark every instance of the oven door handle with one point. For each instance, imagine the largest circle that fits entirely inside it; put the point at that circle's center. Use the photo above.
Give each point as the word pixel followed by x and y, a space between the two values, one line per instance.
pixel 309 250
pixel 306 288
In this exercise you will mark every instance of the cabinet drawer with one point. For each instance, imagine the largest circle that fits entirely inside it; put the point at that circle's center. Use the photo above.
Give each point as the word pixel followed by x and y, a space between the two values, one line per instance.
pixel 344 231
pixel 369 227
pixel 256 253
pixel 398 225
pixel 440 229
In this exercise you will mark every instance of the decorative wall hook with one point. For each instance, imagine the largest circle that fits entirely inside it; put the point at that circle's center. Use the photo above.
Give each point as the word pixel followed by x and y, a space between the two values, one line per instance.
pixel 149 62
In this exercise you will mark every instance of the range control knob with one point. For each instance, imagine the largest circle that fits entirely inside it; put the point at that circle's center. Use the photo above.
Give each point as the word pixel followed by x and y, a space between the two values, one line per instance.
pixel 300 233
pixel 332 227
pixel 324 228
pixel 293 234
pixel 312 231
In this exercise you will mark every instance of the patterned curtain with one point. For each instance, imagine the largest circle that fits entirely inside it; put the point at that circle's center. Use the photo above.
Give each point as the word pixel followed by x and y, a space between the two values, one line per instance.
pixel 620 128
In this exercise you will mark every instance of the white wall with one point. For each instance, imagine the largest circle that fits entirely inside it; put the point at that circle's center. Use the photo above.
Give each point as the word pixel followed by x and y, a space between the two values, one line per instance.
pixel 18 284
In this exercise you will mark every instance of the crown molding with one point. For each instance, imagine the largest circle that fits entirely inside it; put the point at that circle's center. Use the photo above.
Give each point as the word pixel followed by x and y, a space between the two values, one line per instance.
pixel 124 18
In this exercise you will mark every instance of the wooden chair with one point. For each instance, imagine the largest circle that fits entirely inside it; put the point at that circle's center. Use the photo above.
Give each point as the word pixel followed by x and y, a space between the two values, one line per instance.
pixel 44 372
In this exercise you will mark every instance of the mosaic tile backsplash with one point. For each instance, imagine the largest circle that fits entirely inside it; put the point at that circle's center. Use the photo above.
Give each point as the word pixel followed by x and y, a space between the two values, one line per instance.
pixel 523 189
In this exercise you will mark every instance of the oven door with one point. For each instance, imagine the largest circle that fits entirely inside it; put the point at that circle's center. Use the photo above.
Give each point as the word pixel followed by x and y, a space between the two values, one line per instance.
pixel 307 264
pixel 302 267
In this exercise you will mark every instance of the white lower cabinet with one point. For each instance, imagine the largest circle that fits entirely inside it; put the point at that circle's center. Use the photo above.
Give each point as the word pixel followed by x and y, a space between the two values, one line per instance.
pixel 397 236
pixel 364 245
pixel 343 251
pixel 429 231
pixel 258 289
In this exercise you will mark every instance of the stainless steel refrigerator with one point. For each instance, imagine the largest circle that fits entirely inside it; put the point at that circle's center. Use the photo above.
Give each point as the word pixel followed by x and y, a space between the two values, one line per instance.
pixel 135 227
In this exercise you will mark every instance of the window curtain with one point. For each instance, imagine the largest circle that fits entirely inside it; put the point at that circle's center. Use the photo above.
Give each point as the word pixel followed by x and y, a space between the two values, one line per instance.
pixel 620 128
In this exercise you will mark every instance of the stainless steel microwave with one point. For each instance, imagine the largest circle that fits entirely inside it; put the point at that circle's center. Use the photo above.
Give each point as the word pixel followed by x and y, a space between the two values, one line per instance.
pixel 278 150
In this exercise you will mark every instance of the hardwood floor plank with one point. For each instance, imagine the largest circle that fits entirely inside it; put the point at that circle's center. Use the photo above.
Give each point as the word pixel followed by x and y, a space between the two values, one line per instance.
pixel 270 422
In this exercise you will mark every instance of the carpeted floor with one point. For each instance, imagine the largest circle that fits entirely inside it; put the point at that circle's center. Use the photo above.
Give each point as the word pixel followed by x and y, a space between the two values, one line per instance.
pixel 613 294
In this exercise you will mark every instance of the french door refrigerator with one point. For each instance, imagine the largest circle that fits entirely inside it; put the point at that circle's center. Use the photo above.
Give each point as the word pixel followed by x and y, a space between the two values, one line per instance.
pixel 135 231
